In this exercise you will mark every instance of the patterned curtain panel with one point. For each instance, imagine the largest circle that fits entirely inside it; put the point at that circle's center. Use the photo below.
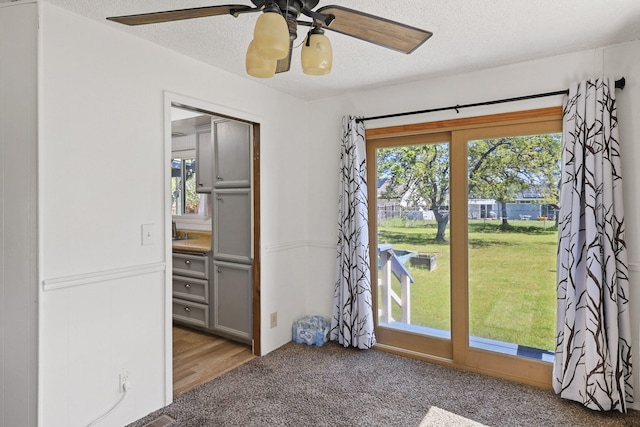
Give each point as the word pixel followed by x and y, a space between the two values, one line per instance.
pixel 593 340
pixel 352 319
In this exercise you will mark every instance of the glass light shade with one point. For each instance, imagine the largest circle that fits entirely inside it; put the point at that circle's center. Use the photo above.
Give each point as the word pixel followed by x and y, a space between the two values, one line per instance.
pixel 257 66
pixel 317 58
pixel 271 36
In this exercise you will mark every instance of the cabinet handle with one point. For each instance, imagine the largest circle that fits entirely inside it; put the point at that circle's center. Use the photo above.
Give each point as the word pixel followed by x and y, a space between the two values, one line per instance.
pixel 220 178
pixel 200 185
pixel 219 271
pixel 187 285
pixel 186 261
pixel 187 309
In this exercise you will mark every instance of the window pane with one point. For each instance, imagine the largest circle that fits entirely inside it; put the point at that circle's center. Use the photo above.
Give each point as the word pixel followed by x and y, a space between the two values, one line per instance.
pixel 512 209
pixel 413 238
pixel 192 199
pixel 184 198
pixel 177 191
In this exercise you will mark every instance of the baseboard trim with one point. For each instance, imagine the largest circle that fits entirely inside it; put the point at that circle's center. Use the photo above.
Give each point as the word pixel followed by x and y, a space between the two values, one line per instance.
pixel 101 276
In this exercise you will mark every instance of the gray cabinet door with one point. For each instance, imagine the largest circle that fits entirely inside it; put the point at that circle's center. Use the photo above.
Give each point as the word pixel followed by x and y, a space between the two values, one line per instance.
pixel 204 162
pixel 232 299
pixel 232 154
pixel 232 225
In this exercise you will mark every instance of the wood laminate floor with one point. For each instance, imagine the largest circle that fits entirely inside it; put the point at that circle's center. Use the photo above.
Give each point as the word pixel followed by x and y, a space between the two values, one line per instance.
pixel 199 357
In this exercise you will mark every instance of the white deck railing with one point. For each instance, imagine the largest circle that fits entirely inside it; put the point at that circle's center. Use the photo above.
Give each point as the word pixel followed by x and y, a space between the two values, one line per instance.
pixel 391 267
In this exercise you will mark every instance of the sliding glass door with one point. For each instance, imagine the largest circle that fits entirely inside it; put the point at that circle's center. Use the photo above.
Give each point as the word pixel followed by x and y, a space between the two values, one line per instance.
pixel 412 177
pixel 463 231
pixel 512 234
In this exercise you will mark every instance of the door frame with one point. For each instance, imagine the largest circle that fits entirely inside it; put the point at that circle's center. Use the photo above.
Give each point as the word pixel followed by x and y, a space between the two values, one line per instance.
pixel 171 99
pixel 440 348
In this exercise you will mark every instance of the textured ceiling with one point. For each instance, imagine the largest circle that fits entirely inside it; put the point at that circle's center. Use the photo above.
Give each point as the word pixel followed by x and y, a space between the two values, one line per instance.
pixel 468 35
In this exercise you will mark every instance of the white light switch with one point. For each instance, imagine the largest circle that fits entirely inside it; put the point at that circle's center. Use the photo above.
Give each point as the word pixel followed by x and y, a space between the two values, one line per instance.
pixel 148 234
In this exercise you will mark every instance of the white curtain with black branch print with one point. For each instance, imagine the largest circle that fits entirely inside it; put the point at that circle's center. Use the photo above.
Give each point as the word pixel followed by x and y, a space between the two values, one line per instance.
pixel 593 342
pixel 352 319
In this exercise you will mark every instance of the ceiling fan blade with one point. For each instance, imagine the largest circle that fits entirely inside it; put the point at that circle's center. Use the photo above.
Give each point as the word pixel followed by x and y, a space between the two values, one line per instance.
pixel 373 29
pixel 177 15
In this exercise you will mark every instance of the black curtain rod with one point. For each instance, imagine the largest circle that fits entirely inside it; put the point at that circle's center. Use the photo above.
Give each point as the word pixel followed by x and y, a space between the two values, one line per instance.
pixel 619 85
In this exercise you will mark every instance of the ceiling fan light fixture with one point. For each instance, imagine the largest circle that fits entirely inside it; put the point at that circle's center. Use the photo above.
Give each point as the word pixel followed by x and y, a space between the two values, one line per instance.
pixel 317 53
pixel 257 65
pixel 271 36
pixel 276 29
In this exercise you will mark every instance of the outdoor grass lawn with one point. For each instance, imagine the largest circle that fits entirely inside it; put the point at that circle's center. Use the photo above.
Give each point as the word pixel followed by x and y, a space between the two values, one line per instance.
pixel 512 293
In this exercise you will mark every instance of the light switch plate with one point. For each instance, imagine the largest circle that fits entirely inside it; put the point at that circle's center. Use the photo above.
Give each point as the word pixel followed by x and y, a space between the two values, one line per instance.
pixel 148 234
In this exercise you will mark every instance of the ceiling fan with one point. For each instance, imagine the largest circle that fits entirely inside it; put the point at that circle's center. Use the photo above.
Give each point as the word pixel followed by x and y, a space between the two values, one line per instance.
pixel 276 29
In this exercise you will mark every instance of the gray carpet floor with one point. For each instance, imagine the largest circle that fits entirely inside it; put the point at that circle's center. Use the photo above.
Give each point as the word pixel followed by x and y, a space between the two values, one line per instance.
pixel 300 385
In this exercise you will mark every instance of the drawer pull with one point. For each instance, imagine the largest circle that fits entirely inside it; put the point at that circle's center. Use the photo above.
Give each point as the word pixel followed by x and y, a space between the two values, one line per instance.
pixel 187 309
pixel 187 262
pixel 187 285
pixel 219 178
pixel 219 271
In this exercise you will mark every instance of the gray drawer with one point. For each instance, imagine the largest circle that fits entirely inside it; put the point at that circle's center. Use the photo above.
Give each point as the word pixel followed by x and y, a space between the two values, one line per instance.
pixel 191 265
pixel 191 289
pixel 191 313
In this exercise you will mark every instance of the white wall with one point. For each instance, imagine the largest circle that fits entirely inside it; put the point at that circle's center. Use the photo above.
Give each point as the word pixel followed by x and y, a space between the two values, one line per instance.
pixel 546 75
pixel 101 175
pixel 18 231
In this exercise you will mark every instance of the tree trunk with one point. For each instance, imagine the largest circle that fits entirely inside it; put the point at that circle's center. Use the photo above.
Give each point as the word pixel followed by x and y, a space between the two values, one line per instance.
pixel 442 220
pixel 503 214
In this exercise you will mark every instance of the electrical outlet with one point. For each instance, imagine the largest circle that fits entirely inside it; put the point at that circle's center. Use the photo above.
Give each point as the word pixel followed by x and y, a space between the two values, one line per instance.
pixel 124 381
pixel 274 319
